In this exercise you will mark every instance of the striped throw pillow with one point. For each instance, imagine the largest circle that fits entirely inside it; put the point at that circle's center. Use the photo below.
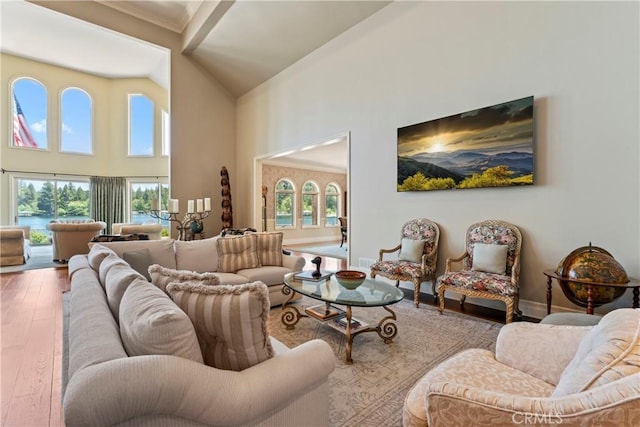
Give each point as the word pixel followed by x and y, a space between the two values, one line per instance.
pixel 270 248
pixel 237 253
pixel 230 321
pixel 162 276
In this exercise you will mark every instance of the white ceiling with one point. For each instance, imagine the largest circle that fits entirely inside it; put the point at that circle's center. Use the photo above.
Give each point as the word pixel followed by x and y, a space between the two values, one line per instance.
pixel 242 43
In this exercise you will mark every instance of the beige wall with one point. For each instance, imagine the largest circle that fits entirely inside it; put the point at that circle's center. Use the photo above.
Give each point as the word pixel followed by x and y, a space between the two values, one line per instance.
pixel 271 174
pixel 110 126
pixel 202 111
pixel 417 61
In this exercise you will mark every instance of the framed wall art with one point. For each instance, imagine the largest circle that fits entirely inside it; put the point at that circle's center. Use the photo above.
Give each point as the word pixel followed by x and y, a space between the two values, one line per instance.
pixel 487 147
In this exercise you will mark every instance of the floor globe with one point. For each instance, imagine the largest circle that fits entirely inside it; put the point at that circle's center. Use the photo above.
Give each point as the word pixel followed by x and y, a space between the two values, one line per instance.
pixel 591 264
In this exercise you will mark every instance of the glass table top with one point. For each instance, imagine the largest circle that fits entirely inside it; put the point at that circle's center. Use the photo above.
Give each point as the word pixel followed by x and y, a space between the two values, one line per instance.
pixel 371 293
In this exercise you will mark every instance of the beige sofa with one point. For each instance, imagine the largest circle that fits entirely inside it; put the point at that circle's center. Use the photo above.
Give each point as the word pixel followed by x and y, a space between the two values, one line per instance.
pixel 15 247
pixel 540 374
pixel 72 237
pixel 154 231
pixel 106 386
pixel 202 256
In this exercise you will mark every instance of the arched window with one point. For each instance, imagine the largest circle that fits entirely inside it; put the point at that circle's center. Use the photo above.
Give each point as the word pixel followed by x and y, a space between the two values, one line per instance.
pixel 285 204
pixel 310 209
pixel 29 128
pixel 140 125
pixel 331 204
pixel 76 125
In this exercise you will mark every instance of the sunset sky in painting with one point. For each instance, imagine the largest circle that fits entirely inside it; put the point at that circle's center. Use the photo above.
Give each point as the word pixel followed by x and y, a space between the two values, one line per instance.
pixel 503 127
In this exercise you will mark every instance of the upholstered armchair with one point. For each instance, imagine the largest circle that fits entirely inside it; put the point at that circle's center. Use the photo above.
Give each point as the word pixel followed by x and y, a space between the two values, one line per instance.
pixel 417 256
pixel 153 230
pixel 73 237
pixel 15 247
pixel 490 266
pixel 540 374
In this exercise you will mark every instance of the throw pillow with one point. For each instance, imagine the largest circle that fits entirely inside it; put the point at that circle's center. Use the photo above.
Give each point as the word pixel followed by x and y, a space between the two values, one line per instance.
pixel 230 321
pixel 161 276
pixel 270 248
pixel 197 255
pixel 237 253
pixel 139 261
pixel 490 258
pixel 150 323
pixel 97 254
pixel 118 279
pixel 411 250
pixel 105 266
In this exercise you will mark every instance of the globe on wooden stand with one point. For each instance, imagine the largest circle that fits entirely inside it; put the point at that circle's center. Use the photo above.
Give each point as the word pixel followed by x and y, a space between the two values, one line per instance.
pixel 591 264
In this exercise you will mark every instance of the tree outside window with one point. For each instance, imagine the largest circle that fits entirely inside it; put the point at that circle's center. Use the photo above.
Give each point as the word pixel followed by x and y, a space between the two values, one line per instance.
pixel 331 205
pixel 285 203
pixel 310 204
pixel 141 202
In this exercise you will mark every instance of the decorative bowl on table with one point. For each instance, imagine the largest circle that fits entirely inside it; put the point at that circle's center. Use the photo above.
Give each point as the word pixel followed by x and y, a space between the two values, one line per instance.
pixel 350 279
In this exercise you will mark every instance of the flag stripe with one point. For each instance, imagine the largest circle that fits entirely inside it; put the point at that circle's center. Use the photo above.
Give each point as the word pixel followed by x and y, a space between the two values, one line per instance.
pixel 21 133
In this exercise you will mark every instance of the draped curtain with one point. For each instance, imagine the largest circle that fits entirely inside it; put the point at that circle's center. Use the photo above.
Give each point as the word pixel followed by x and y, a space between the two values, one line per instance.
pixel 108 199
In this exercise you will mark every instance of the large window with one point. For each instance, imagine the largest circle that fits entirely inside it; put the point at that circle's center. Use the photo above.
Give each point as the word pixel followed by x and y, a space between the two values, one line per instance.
pixel 331 205
pixel 29 111
pixel 76 123
pixel 141 201
pixel 310 209
pixel 285 204
pixel 140 126
pixel 38 201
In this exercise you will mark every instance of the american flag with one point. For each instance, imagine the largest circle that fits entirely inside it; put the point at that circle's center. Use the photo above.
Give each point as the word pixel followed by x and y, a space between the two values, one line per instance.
pixel 21 133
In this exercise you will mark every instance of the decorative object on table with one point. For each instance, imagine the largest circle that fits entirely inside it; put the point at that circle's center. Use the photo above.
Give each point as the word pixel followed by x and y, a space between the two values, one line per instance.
pixel 309 275
pixel 264 207
pixel 487 147
pixel 227 211
pixel 417 256
pixel 591 264
pixel 317 261
pixel 197 210
pixel 490 266
pixel 237 231
pixel 350 279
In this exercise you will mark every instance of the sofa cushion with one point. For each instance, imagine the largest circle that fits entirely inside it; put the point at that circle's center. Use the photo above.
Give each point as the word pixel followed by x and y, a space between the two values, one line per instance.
pixel 230 321
pixel 197 255
pixel 270 248
pixel 609 351
pixel 119 277
pixel 97 254
pixel 161 251
pixel 140 261
pixel 490 258
pixel 270 275
pixel 161 276
pixel 151 323
pixel 237 253
pixel 232 278
pixel 106 265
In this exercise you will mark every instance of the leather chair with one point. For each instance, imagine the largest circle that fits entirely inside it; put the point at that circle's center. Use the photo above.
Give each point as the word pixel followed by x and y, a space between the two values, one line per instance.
pixel 73 237
pixel 490 266
pixel 417 256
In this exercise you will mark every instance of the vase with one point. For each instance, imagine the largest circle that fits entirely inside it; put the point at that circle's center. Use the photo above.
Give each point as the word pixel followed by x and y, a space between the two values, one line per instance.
pixel 197 227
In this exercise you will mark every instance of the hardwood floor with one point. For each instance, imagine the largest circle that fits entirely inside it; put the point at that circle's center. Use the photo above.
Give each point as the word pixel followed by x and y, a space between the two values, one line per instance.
pixel 31 352
pixel 31 338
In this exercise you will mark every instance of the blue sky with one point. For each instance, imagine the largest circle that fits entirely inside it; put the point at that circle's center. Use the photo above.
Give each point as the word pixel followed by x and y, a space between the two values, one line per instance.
pixel 76 112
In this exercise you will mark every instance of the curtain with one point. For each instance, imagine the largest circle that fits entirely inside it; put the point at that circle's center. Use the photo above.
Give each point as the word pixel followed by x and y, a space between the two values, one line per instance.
pixel 107 199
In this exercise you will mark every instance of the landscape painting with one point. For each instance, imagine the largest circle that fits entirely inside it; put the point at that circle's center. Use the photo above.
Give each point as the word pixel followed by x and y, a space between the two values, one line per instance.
pixel 487 147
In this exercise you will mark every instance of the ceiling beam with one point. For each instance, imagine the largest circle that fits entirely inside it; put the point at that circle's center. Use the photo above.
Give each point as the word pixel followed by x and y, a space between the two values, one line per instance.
pixel 206 17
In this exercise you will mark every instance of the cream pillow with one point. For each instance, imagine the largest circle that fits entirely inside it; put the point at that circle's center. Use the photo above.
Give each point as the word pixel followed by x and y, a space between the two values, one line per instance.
pixel 237 253
pixel 119 277
pixel 490 258
pixel 105 266
pixel 97 254
pixel 411 250
pixel 161 276
pixel 230 321
pixel 197 255
pixel 150 323
pixel 270 248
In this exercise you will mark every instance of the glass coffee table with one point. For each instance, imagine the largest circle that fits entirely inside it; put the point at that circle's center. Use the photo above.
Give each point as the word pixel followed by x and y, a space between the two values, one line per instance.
pixel 331 294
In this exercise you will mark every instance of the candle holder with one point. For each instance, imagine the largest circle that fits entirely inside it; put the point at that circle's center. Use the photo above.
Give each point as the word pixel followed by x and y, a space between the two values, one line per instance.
pixel 183 226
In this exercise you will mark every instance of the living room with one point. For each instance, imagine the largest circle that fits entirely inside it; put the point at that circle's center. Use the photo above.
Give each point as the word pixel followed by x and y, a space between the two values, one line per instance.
pixel 416 61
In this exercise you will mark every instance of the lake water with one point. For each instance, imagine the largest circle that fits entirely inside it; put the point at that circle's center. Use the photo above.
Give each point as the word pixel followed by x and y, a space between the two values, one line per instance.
pixel 39 222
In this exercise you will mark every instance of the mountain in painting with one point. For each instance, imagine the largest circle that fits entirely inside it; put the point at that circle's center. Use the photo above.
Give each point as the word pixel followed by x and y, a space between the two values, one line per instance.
pixel 408 167
pixel 467 163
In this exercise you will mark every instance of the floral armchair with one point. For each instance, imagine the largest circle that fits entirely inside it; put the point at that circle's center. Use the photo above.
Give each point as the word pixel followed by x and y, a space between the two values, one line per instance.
pixel 417 256
pixel 491 266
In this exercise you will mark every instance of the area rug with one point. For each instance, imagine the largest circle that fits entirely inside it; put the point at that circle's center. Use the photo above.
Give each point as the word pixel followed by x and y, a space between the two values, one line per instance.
pixel 333 251
pixel 371 391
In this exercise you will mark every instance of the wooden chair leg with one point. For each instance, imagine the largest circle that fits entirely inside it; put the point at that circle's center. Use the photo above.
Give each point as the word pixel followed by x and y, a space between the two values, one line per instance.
pixel 416 293
pixel 462 298
pixel 433 291
pixel 441 299
pixel 397 283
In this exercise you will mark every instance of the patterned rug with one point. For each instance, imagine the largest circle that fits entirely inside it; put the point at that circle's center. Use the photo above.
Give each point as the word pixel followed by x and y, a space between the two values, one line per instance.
pixel 371 392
